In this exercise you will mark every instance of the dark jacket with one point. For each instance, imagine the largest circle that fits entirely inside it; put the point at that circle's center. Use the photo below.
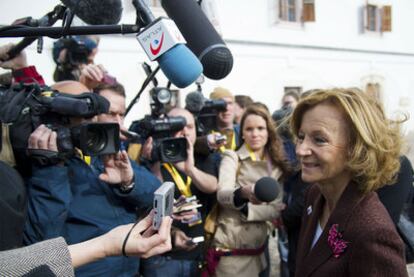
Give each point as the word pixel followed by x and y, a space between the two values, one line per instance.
pixel 294 198
pixel 395 196
pixel 12 207
pixel 374 247
pixel 72 202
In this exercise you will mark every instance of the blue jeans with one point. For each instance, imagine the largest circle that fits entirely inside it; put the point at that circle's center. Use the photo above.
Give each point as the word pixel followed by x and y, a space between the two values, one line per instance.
pixel 161 266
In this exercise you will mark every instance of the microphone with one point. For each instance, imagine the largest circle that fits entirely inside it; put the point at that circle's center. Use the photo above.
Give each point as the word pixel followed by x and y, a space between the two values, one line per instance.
pixel 194 102
pixel 267 189
pixel 162 41
pixel 201 37
pixel 96 12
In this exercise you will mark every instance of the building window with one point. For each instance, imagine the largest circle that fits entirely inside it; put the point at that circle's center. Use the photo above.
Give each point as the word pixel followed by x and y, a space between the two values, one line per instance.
pixel 296 10
pixel 378 18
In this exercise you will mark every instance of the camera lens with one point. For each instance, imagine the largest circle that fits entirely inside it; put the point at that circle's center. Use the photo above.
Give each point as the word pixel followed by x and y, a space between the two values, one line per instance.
pixel 96 139
pixel 172 149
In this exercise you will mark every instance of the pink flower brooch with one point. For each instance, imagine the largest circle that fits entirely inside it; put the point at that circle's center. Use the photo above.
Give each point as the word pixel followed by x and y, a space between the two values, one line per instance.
pixel 335 241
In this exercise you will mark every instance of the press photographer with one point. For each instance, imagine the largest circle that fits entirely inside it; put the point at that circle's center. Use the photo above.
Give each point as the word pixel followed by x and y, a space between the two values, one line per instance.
pixel 85 197
pixel 217 131
pixel 162 128
pixel 73 53
pixel 195 176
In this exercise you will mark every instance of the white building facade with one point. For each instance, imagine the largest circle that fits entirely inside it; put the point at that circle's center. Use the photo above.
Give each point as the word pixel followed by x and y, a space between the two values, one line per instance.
pixel 278 45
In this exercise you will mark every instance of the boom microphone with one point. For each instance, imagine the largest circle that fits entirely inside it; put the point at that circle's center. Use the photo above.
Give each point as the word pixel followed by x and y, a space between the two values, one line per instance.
pixel 194 102
pixel 96 12
pixel 201 37
pixel 162 41
pixel 267 189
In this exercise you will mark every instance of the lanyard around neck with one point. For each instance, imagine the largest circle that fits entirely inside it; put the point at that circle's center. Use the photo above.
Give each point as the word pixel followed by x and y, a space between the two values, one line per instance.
pixel 185 189
pixel 85 158
pixel 265 157
pixel 252 154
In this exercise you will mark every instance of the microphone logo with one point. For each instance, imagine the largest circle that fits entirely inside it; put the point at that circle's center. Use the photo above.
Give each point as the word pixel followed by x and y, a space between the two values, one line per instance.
pixel 158 45
pixel 159 38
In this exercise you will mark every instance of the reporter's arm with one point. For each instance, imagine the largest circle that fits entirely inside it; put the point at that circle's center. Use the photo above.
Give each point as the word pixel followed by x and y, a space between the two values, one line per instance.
pixel 46 258
pixel 21 71
pixel 145 245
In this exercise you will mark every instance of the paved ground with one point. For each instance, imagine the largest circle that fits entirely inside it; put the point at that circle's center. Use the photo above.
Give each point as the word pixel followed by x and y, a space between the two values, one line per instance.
pixel 274 256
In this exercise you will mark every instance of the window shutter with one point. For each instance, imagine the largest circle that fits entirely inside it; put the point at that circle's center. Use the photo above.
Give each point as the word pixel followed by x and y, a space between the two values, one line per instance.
pixel 308 11
pixel 386 19
pixel 282 9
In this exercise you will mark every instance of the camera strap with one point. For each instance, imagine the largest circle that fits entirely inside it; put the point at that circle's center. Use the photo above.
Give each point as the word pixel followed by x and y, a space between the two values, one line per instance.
pixel 85 158
pixel 184 188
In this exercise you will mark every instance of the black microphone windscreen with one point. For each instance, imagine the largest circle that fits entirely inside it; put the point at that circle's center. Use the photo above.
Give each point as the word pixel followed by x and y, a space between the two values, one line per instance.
pixel 201 37
pixel 267 189
pixel 194 102
pixel 96 12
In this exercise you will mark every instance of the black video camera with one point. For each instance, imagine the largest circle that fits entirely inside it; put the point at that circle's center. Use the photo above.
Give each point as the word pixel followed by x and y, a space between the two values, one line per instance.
pixel 25 107
pixel 207 117
pixel 166 148
pixel 78 50
pixel 205 111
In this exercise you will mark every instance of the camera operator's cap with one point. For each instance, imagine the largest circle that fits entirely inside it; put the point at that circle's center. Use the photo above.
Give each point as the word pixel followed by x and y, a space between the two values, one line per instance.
pixel 59 45
pixel 220 93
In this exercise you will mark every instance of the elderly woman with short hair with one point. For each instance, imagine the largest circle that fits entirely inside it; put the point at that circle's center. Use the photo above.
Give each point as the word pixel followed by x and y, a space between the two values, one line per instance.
pixel 347 149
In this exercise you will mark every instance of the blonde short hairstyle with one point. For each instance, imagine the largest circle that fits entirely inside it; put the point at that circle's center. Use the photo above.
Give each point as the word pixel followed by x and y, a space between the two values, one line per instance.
pixel 375 141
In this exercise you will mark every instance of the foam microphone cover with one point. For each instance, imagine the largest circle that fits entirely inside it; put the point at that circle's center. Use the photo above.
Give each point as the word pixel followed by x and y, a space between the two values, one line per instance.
pixel 201 37
pixel 194 102
pixel 96 12
pixel 180 66
pixel 266 189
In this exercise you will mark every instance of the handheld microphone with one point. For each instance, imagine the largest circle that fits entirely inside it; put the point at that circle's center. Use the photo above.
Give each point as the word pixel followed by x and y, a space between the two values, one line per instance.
pixel 201 37
pixel 194 102
pixel 162 41
pixel 96 12
pixel 267 189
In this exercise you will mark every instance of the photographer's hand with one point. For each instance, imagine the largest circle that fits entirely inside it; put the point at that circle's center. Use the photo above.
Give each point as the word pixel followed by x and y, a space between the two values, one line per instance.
pixel 215 144
pixel 43 138
pixel 20 61
pixel 181 240
pixel 92 75
pixel 187 166
pixel 147 149
pixel 118 169
pixel 205 182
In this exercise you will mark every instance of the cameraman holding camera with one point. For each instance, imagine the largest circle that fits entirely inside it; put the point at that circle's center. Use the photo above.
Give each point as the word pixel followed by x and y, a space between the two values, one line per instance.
pixel 196 176
pixel 225 126
pixel 84 197
pixel 72 54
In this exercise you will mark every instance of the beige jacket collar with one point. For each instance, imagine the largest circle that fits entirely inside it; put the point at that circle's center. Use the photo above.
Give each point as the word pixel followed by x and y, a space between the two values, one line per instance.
pixel 243 153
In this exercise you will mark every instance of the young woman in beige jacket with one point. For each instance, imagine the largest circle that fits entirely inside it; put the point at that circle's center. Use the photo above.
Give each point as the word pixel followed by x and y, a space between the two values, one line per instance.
pixel 242 229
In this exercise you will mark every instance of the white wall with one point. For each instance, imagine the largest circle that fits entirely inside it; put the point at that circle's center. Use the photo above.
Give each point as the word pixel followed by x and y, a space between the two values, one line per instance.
pixel 269 56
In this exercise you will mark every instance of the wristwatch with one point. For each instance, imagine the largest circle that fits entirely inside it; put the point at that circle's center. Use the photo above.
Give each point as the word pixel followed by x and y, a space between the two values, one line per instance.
pixel 127 188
